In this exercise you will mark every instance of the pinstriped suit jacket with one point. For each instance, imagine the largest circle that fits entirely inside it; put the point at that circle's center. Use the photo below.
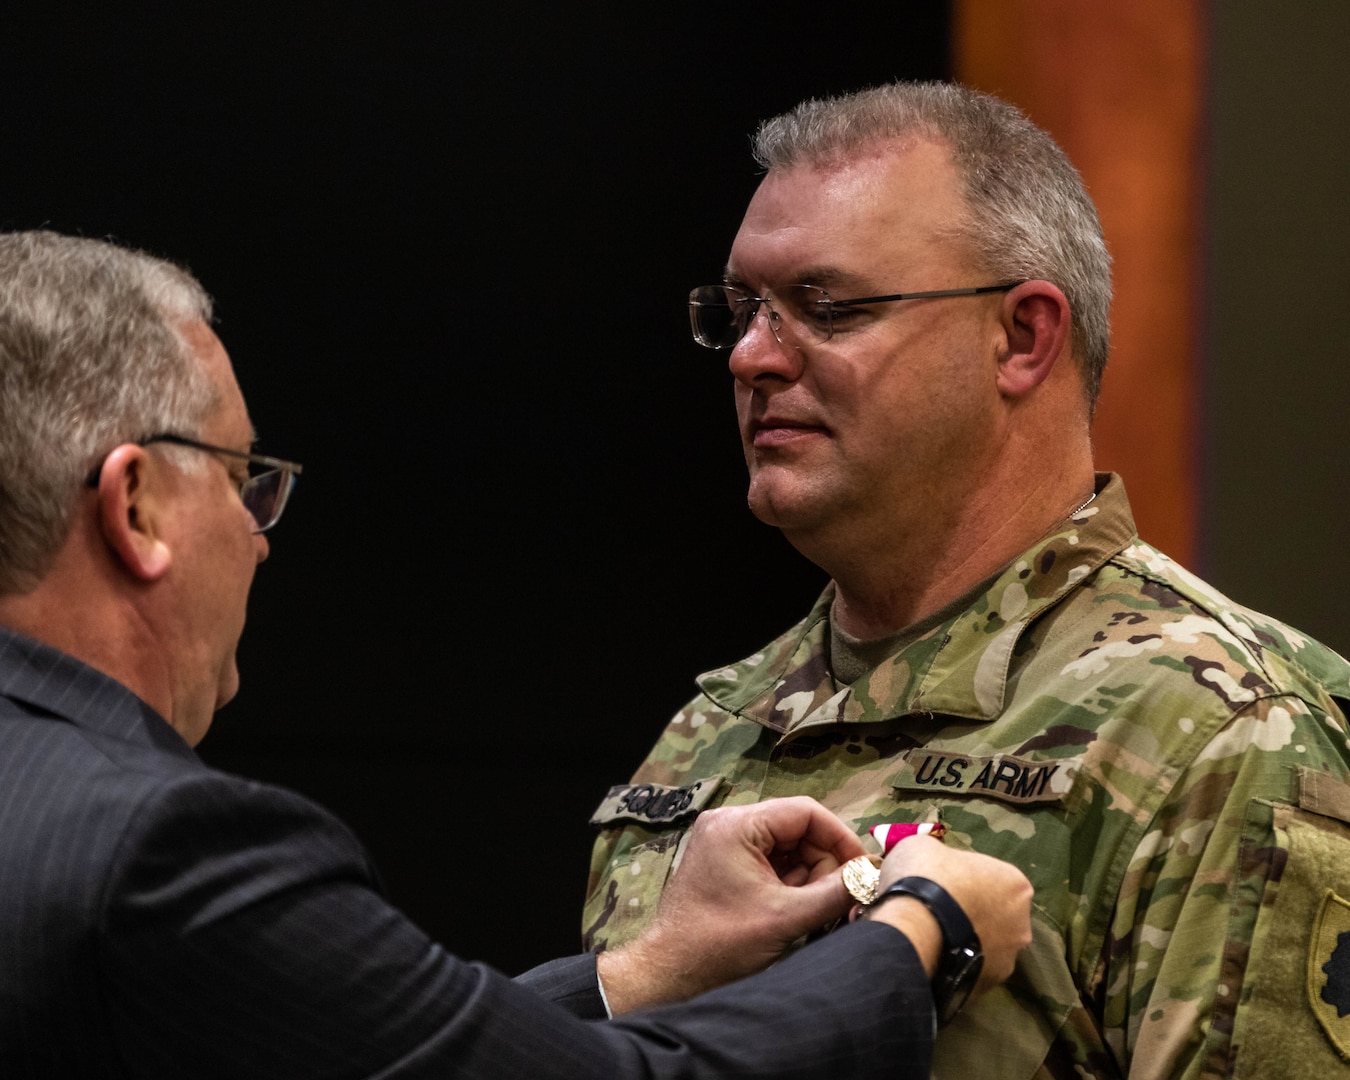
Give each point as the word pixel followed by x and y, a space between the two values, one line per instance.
pixel 162 919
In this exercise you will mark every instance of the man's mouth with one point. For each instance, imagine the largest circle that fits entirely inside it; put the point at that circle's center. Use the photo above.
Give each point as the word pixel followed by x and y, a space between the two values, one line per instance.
pixel 772 431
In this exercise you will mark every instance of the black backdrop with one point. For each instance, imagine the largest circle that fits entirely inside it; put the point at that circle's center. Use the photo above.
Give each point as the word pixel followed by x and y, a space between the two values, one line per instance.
pixel 449 247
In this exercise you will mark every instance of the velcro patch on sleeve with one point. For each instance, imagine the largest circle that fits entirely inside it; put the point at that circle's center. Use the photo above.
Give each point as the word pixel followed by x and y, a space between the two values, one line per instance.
pixel 1291 970
pixel 1002 776
pixel 1329 970
pixel 655 804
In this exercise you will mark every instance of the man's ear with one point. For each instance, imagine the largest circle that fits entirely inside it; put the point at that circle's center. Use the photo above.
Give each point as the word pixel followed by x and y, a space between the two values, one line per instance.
pixel 1036 327
pixel 129 511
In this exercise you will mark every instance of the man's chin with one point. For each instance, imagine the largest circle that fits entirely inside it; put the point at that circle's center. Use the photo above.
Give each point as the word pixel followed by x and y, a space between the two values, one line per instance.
pixel 790 506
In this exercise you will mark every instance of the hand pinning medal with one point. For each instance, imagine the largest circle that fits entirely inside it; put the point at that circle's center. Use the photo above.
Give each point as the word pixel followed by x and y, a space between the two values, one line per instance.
pixel 863 874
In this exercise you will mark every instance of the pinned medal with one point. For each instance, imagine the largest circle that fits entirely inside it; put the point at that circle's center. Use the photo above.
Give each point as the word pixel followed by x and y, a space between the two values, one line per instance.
pixel 861 877
pixel 890 835
pixel 863 874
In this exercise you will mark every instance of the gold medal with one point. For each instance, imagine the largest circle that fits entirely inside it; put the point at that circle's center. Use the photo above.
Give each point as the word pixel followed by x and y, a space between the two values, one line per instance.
pixel 861 877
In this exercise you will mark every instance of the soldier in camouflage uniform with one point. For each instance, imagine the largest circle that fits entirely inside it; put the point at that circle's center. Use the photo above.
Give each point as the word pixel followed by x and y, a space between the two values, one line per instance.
pixel 997 649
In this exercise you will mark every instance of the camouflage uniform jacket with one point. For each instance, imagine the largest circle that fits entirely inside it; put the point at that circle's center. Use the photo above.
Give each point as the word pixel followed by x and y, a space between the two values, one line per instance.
pixel 1168 768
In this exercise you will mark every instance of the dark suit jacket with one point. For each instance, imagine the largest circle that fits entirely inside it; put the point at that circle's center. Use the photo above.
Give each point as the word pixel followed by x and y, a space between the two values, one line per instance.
pixel 161 919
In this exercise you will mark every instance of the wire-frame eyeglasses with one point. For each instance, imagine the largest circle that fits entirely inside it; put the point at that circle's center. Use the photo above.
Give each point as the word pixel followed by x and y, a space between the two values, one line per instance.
pixel 264 495
pixel 720 315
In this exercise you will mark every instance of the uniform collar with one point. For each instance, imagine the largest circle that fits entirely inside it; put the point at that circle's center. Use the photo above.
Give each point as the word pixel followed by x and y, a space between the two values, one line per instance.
pixel 959 668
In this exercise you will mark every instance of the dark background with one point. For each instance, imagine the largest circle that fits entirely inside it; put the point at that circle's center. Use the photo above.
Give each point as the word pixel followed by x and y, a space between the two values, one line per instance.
pixel 450 248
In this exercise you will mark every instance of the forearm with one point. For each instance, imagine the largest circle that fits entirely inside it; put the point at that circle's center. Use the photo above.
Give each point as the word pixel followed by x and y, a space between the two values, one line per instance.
pixel 645 973
pixel 913 919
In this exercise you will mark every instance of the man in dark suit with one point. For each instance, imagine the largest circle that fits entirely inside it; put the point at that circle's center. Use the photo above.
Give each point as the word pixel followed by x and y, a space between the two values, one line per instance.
pixel 159 918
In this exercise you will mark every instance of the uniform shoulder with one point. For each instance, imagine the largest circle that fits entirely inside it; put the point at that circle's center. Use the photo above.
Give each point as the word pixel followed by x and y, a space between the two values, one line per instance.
pixel 1288 658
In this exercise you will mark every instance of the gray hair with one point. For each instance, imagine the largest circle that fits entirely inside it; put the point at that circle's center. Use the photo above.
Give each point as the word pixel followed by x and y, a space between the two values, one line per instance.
pixel 1029 214
pixel 90 357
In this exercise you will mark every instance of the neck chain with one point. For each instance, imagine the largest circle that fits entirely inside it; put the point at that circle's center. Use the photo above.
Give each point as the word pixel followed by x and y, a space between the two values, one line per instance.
pixel 1078 510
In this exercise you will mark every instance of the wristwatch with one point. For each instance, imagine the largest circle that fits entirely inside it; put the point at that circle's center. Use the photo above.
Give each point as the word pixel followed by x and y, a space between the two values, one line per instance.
pixel 961 958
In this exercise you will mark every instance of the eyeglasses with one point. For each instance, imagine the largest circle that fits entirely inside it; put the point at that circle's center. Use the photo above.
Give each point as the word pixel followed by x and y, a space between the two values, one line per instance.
pixel 720 315
pixel 264 495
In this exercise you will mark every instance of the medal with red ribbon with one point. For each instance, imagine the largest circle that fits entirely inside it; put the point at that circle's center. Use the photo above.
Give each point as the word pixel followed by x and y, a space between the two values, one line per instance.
pixel 890 835
pixel 863 874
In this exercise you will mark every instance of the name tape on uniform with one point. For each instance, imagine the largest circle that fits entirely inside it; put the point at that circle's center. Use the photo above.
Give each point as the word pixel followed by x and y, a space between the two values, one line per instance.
pixel 655 804
pixel 1003 777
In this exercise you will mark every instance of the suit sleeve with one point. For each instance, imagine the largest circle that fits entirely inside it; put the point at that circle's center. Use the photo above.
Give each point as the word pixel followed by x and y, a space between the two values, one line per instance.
pixel 243 936
pixel 571 982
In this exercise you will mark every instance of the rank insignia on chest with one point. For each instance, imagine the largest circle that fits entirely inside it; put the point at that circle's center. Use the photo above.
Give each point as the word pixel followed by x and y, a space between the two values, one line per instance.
pixel 1329 970
pixel 1001 776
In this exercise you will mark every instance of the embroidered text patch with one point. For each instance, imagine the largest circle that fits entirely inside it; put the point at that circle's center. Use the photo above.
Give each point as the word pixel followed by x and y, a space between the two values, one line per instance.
pixel 655 804
pixel 1010 779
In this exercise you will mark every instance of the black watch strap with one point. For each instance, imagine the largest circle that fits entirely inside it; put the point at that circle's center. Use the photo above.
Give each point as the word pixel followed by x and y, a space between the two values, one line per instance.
pixel 962 957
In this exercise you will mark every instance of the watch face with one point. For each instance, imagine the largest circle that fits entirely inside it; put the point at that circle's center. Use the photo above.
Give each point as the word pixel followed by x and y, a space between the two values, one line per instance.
pixel 956 978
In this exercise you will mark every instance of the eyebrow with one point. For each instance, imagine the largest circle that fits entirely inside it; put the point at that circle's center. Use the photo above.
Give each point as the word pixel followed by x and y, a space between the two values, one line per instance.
pixel 822 276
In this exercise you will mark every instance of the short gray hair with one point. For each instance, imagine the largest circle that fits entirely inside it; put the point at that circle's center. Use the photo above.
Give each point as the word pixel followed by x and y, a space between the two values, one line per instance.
pixel 1029 214
pixel 90 357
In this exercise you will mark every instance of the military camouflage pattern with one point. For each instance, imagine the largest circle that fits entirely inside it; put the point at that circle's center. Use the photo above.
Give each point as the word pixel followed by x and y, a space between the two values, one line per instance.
pixel 1168 768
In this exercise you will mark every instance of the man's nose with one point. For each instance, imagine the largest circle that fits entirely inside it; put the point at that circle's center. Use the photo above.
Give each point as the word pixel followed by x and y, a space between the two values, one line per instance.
pixel 767 350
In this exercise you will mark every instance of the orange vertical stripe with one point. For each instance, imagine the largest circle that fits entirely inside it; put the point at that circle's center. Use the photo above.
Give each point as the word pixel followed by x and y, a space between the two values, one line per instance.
pixel 1119 86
